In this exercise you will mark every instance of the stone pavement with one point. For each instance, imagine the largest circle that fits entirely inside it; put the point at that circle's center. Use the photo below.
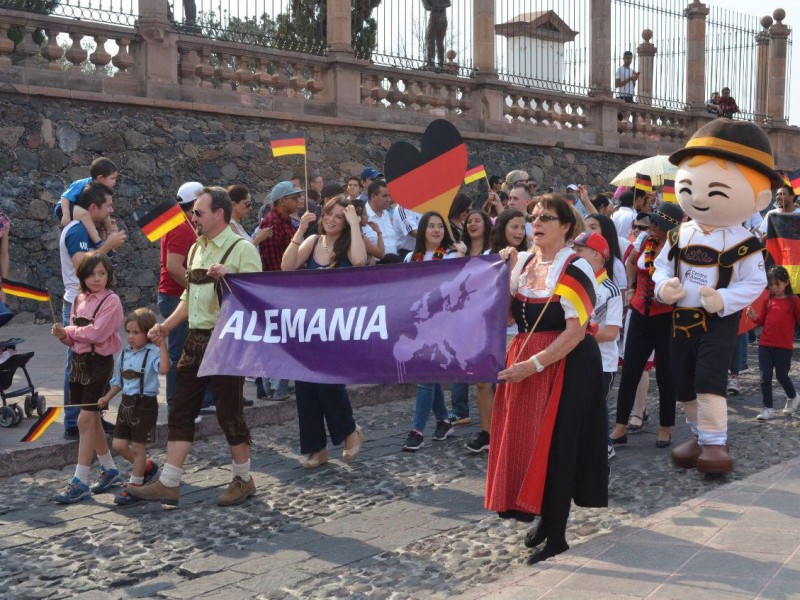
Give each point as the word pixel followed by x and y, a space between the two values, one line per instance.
pixel 399 525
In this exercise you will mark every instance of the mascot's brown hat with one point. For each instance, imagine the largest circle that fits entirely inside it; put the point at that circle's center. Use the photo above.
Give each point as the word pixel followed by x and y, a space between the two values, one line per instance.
pixel 737 141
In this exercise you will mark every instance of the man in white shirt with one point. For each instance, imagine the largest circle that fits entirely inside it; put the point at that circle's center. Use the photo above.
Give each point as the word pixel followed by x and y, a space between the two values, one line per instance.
pixel 784 203
pixel 625 79
pixel 379 201
pixel 631 203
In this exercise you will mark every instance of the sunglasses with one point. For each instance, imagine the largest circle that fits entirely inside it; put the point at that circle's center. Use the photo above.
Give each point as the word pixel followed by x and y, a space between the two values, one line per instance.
pixel 641 227
pixel 543 218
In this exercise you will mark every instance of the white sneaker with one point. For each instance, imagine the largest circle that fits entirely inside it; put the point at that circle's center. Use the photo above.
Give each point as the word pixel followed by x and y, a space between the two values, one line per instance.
pixel 733 386
pixel 611 452
pixel 766 414
pixel 792 404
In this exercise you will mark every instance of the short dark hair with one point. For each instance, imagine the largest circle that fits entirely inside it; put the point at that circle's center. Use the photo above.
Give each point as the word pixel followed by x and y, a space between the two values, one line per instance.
pixel 461 203
pixel 626 199
pixel 312 195
pixel 627 53
pixel 354 178
pixel 94 193
pixel 220 199
pixel 374 187
pixel 564 212
pixel 331 189
pixel 494 179
pixel 600 200
pixel 238 192
pixel 102 166
pixel 88 264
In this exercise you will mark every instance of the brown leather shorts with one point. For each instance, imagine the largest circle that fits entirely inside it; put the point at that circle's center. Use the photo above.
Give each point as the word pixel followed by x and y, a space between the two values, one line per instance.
pixel 88 377
pixel 136 420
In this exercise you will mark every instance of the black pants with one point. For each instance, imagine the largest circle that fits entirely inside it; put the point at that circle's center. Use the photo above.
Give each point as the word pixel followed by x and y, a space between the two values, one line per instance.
pixel 646 334
pixel 318 404
pixel 779 359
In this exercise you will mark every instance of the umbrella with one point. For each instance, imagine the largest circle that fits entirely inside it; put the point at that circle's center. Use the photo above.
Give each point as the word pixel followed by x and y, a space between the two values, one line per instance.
pixel 658 167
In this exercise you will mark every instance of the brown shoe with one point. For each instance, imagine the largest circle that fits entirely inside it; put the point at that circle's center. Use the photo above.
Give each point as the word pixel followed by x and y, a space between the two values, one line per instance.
pixel 715 459
pixel 685 455
pixel 238 491
pixel 349 454
pixel 155 491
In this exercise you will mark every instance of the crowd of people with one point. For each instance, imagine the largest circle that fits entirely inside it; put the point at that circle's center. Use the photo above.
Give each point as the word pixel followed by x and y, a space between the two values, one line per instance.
pixel 604 246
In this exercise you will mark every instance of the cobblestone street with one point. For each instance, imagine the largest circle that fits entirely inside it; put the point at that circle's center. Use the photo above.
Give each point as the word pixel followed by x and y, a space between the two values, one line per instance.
pixel 389 525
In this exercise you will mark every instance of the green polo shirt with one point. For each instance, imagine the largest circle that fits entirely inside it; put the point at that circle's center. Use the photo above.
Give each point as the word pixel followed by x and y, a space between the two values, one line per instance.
pixel 201 300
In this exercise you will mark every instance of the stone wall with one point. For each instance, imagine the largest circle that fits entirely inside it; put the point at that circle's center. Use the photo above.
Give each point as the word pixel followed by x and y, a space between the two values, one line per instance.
pixel 46 143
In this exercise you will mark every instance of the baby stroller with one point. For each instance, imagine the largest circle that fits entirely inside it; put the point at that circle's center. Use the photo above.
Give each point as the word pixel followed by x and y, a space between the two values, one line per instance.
pixel 10 362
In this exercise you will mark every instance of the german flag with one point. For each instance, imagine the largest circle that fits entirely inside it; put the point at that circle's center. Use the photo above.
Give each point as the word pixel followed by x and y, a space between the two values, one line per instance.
pixel 575 286
pixel 668 191
pixel 159 221
pixel 601 276
pixel 23 290
pixel 783 243
pixel 786 180
pixel 38 428
pixel 286 144
pixel 794 181
pixel 475 174
pixel 644 182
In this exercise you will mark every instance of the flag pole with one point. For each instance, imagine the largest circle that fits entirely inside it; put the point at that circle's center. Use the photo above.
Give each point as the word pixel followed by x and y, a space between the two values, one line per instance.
pixel 52 310
pixel 305 170
pixel 185 216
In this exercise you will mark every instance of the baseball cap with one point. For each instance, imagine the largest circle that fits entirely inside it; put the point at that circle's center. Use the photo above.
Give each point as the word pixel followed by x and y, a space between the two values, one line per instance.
pixel 282 190
pixel 189 192
pixel 595 241
pixel 371 173
pixel 572 186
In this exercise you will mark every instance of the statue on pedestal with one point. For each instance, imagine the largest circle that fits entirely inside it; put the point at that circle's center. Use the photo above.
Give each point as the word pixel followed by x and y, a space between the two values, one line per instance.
pixel 434 33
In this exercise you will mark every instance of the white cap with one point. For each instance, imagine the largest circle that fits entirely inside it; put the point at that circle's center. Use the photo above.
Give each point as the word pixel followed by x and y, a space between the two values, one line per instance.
pixel 572 186
pixel 189 192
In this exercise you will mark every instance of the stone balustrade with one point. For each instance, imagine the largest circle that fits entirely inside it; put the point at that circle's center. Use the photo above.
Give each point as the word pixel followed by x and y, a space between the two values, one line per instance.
pixel 416 91
pixel 546 110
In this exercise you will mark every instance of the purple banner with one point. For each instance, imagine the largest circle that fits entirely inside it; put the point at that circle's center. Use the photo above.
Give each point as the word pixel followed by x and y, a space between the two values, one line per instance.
pixel 431 322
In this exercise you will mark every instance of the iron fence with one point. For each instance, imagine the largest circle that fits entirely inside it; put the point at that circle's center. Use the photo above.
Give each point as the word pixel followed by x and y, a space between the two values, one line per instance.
pixel 115 12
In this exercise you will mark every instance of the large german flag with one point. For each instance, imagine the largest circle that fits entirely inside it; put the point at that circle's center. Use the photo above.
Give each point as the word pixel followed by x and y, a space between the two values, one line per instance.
pixel 38 428
pixel 159 221
pixel 287 143
pixel 644 182
pixel 668 191
pixel 23 290
pixel 577 287
pixel 783 243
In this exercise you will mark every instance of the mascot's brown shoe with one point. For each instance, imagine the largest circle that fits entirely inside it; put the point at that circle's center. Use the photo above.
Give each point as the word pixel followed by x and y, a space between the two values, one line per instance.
pixel 715 459
pixel 686 454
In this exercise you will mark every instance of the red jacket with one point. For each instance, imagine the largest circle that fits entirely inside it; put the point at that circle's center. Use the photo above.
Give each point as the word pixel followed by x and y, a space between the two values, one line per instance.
pixel 778 320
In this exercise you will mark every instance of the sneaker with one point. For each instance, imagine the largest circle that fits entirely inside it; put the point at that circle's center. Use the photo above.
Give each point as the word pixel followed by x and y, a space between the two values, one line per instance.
pixel 443 430
pixel 733 386
pixel 238 491
pixel 108 479
pixel 209 410
pixel 792 404
pixel 456 420
pixel 480 443
pixel 155 491
pixel 150 471
pixel 611 452
pixel 75 491
pixel 413 441
pixel 126 499
pixel 275 396
pixel 744 369
pixel 71 433
pixel 766 414
pixel 198 419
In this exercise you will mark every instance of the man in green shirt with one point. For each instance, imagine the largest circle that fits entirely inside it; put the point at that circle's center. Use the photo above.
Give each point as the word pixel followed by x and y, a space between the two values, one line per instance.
pixel 217 252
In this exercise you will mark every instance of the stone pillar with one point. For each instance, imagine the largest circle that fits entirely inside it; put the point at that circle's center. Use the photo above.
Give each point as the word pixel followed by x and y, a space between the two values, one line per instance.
pixel 600 70
pixel 483 52
pixel 647 53
pixel 776 84
pixel 696 14
pixel 156 56
pixel 340 27
pixel 762 67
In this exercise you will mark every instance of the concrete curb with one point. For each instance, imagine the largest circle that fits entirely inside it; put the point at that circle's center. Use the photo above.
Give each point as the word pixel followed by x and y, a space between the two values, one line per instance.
pixel 57 454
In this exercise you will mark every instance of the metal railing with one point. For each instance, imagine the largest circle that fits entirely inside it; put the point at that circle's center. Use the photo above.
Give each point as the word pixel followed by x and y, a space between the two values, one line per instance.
pixel 114 12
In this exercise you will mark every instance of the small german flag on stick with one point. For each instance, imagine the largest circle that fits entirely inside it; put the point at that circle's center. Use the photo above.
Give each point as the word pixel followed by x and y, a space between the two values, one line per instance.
pixel 38 428
pixel 794 180
pixel 474 174
pixel 644 182
pixel 576 287
pixel 287 144
pixel 159 221
pixel 23 290
pixel 668 191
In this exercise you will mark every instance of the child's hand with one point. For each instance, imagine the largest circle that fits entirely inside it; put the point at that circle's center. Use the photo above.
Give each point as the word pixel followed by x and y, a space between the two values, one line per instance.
pixel 58 331
pixel 103 402
pixel 751 314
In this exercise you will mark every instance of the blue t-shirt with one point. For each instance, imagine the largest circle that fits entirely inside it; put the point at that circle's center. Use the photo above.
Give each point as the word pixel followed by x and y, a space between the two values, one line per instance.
pixel 71 193
pixel 74 239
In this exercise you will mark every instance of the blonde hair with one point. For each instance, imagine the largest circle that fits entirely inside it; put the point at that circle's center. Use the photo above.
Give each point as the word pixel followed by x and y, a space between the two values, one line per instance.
pixel 758 182
pixel 512 179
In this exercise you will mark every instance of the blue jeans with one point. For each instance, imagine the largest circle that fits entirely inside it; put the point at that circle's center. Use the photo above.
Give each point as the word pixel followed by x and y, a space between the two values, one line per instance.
pixel 429 396
pixel 739 358
pixel 778 360
pixel 280 387
pixel 70 414
pixel 176 340
pixel 459 399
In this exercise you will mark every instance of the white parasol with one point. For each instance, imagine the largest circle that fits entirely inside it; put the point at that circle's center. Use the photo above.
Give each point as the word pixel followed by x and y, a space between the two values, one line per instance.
pixel 658 167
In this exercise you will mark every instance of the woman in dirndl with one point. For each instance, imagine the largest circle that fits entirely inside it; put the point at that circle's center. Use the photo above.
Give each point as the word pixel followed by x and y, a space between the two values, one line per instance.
pixel 548 422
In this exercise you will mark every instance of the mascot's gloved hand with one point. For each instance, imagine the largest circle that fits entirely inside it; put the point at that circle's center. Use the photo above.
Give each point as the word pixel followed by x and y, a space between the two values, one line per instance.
pixel 711 299
pixel 671 291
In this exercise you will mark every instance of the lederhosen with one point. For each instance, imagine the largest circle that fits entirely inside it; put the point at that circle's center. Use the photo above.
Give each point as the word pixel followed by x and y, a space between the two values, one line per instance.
pixel 702 343
pixel 190 388
pixel 89 372
pixel 138 414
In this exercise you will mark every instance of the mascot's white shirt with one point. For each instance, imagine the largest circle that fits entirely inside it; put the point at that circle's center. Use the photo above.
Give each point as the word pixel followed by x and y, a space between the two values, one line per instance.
pixel 747 281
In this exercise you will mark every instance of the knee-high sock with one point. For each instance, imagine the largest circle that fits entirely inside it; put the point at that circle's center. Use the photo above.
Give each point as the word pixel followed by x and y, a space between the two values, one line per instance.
pixel 712 419
pixel 690 410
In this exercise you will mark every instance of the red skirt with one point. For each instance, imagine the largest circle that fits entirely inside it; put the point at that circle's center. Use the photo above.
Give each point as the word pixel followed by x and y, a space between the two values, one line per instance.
pixel 523 417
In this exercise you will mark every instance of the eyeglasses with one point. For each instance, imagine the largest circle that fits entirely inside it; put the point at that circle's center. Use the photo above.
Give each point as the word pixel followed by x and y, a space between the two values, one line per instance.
pixel 543 218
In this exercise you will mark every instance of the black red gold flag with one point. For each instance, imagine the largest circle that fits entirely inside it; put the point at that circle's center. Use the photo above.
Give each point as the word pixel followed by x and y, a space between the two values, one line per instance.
pixel 23 290
pixel 159 221
pixel 783 243
pixel 288 143
pixel 38 428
